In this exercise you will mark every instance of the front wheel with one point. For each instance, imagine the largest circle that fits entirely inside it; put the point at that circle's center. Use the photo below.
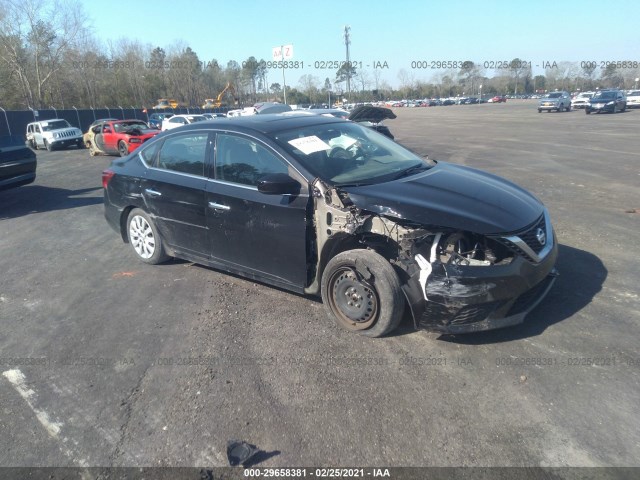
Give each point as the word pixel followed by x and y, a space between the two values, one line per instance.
pixel 361 292
pixel 123 150
pixel 587 111
pixel 144 238
pixel 48 146
pixel 569 108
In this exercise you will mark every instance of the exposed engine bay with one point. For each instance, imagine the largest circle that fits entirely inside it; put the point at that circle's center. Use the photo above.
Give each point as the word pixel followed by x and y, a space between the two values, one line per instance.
pixel 444 270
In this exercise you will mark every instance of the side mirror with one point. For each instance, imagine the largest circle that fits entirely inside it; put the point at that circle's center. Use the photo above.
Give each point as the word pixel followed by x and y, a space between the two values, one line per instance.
pixel 278 184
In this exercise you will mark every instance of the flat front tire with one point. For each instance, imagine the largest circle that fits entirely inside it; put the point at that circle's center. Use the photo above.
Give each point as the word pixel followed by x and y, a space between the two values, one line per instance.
pixel 144 238
pixel 361 292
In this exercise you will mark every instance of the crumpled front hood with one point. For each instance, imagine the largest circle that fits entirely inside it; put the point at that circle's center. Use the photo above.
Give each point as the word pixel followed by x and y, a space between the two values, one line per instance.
pixel 452 196
pixel 368 113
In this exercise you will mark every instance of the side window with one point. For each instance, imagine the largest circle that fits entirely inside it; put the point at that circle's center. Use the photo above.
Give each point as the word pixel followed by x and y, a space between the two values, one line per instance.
pixel 242 160
pixel 184 153
pixel 149 152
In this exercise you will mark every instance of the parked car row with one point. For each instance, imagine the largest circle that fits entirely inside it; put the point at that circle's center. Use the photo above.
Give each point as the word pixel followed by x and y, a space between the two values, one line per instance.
pixel 609 100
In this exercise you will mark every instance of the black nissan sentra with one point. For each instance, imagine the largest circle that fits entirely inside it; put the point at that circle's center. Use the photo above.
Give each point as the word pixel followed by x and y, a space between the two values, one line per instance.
pixel 324 206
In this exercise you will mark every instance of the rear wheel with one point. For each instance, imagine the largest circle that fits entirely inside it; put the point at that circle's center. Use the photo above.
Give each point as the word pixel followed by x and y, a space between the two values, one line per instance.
pixel 615 108
pixel 569 108
pixel 144 238
pixel 361 292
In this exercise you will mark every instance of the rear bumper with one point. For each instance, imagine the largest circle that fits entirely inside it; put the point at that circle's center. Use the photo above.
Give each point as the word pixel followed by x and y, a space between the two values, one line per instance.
pixel 17 181
pixel 16 171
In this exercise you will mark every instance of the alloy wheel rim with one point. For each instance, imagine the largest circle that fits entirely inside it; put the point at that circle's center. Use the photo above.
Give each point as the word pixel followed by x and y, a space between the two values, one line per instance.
pixel 141 237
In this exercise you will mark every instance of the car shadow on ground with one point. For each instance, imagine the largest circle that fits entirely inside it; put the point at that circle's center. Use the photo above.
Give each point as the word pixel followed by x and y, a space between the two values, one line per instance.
pixel 582 275
pixel 29 199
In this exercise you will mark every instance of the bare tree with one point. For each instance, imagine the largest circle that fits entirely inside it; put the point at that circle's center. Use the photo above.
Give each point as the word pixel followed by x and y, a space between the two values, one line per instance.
pixel 34 36
pixel 309 85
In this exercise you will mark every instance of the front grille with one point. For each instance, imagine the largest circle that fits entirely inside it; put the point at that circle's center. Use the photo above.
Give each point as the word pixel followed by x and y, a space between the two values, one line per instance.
pixel 528 298
pixel 474 313
pixel 66 134
pixel 529 236
pixel 434 314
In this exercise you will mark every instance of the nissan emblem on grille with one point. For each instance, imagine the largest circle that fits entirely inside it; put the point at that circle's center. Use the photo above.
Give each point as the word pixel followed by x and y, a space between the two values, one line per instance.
pixel 540 235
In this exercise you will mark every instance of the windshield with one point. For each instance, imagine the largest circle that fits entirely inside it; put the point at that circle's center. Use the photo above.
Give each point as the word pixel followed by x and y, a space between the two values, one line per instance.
pixel 55 125
pixel 346 153
pixel 554 95
pixel 196 118
pixel 604 95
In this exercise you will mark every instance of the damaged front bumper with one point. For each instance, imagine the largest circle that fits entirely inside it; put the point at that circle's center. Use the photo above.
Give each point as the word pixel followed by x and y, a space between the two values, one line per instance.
pixel 463 299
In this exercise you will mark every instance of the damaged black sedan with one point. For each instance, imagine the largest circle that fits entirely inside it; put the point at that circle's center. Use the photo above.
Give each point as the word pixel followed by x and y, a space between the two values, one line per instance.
pixel 323 206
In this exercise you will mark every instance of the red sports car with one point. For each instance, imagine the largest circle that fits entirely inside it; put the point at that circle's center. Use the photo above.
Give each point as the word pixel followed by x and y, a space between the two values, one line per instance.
pixel 498 99
pixel 118 137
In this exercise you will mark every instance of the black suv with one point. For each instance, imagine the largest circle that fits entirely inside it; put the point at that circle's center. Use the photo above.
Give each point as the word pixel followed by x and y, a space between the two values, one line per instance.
pixel 607 101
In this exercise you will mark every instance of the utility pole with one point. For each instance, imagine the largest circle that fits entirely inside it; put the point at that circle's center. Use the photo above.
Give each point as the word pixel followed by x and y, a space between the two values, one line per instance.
pixel 347 42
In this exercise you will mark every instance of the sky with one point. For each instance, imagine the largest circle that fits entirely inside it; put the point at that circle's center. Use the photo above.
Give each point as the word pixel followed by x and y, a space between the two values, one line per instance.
pixel 399 37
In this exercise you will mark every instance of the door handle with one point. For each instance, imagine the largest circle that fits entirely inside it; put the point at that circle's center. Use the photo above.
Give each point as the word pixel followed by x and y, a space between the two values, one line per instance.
pixel 153 192
pixel 218 206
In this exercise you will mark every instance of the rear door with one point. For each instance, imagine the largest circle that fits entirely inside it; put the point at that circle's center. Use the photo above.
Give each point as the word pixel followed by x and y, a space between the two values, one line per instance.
pixel 174 190
pixel 262 236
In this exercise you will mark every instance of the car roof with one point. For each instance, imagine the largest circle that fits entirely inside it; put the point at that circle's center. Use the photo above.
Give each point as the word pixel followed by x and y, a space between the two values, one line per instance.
pixel 266 123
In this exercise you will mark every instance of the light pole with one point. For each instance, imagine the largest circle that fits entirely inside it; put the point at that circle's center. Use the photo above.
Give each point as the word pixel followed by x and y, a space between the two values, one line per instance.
pixel 7 120
pixel 54 111
pixel 108 111
pixel 34 114
pixel 94 112
pixel 122 110
pixel 77 115
pixel 636 84
pixel 480 88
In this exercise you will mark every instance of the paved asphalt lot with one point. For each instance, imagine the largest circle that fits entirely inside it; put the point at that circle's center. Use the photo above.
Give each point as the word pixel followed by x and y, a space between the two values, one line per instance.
pixel 109 361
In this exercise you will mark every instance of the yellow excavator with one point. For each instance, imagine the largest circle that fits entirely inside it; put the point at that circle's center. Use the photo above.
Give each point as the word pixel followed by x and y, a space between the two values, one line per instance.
pixel 218 102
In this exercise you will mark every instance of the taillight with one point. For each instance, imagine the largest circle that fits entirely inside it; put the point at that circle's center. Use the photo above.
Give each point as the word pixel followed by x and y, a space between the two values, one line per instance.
pixel 107 175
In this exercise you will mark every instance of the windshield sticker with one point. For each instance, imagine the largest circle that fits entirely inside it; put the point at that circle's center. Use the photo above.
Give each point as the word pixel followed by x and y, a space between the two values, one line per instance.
pixel 308 145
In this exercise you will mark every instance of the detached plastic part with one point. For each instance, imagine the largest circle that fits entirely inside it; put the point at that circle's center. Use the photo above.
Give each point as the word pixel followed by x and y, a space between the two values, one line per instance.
pixel 240 453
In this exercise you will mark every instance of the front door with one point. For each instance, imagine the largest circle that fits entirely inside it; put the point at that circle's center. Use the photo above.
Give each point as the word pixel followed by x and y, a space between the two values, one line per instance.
pixel 262 236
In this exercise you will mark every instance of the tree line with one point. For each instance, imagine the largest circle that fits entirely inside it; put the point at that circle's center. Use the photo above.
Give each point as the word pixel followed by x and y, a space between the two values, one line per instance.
pixel 49 57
